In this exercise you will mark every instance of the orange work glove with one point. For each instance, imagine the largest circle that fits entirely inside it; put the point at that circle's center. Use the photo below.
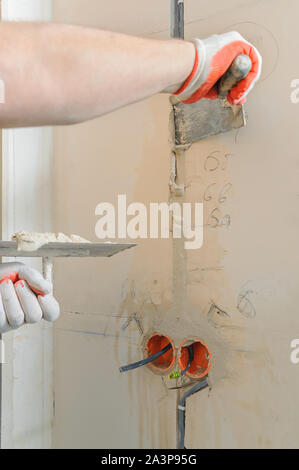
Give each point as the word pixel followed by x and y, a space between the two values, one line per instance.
pixel 214 56
pixel 25 297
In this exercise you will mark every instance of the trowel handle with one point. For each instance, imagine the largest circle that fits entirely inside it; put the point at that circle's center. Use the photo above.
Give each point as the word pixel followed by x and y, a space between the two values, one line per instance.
pixel 238 70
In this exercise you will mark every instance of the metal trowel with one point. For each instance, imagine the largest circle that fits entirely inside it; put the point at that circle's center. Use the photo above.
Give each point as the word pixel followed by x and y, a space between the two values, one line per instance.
pixel 206 117
pixel 193 122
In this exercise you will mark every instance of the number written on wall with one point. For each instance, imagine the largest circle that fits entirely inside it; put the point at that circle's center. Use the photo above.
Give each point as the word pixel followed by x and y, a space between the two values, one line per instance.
pixel 215 162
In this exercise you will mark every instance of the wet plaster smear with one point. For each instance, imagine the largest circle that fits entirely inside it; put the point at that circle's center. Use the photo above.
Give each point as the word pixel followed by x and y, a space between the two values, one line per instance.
pixel 239 292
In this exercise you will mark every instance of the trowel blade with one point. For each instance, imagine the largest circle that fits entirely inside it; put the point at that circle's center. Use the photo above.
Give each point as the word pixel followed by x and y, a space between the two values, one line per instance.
pixel 193 122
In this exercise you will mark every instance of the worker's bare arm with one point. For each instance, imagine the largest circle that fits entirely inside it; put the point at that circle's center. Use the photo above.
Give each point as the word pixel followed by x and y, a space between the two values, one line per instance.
pixel 63 74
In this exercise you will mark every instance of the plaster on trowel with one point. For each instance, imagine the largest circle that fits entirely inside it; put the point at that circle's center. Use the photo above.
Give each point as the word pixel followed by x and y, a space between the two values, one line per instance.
pixel 193 122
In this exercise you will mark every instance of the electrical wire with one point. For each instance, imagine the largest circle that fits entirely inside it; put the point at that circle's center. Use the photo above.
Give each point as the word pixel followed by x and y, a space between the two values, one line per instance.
pixel 191 357
pixel 149 359
pixel 176 375
pixel 182 410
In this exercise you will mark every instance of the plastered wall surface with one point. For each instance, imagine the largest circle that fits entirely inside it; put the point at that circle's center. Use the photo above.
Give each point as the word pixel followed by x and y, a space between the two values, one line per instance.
pixel 239 292
pixel 126 152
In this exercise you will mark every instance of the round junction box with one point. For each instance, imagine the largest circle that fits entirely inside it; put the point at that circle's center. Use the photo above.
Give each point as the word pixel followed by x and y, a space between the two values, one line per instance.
pixel 153 345
pixel 201 362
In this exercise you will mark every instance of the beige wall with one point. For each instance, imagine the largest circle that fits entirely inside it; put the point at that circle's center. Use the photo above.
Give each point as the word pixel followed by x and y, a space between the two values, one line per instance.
pixel 248 269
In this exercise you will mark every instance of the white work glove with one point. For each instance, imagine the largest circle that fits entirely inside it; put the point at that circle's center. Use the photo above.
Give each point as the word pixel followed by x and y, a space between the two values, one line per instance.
pixel 214 56
pixel 25 297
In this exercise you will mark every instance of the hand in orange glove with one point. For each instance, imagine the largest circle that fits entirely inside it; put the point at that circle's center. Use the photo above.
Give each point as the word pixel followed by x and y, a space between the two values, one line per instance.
pixel 25 297
pixel 214 56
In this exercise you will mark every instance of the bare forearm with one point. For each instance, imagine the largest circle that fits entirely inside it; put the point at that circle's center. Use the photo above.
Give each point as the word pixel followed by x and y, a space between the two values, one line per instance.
pixel 62 74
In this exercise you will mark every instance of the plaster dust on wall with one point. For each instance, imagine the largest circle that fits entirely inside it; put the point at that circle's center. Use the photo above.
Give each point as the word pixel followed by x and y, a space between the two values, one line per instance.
pixel 237 293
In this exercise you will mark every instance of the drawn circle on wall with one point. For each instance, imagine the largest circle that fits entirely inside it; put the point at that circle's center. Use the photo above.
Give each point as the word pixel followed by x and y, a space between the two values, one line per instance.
pixel 201 363
pixel 155 344
pixel 264 40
